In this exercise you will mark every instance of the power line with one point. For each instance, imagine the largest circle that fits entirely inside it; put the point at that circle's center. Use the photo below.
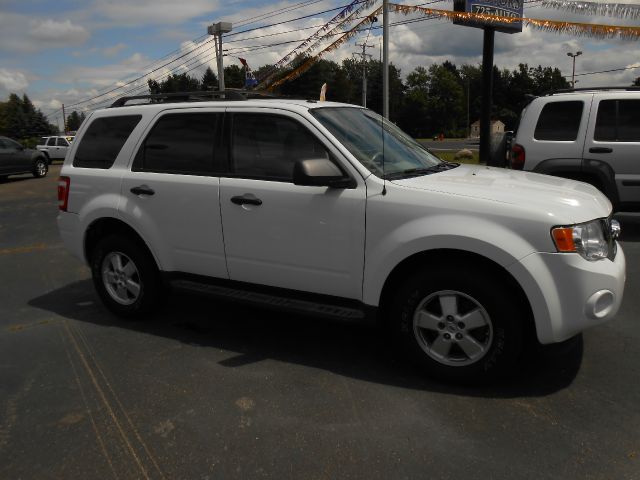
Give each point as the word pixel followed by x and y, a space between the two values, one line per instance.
pixel 275 13
pixel 606 71
pixel 245 49
pixel 244 22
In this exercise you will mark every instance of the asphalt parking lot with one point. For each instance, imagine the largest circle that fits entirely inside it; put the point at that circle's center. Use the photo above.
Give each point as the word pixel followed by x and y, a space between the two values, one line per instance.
pixel 208 390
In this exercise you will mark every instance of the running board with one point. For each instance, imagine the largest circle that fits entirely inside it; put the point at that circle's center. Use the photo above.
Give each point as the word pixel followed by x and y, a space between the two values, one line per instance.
pixel 273 301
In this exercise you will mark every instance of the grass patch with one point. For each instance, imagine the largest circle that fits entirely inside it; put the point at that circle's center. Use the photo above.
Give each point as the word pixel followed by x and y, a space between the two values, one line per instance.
pixel 449 157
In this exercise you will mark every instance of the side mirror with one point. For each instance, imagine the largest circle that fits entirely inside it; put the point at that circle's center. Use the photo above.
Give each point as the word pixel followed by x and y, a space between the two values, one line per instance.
pixel 320 172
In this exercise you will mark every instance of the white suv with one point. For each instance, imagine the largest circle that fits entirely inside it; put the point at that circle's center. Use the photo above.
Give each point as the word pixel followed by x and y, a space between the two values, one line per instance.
pixel 55 148
pixel 592 135
pixel 306 206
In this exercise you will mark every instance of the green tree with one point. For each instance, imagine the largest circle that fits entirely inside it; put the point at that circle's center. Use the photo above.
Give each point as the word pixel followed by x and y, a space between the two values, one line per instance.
pixel 416 114
pixel 446 98
pixel 233 77
pixel 19 119
pixel 209 80
pixel 174 83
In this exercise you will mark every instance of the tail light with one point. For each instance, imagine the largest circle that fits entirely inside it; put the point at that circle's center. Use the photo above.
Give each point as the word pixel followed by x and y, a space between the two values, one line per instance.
pixel 63 193
pixel 517 157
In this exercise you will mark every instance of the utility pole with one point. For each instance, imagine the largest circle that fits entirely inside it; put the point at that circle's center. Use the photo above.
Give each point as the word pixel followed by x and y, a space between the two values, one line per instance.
pixel 217 29
pixel 573 71
pixel 385 58
pixel 64 120
pixel 363 55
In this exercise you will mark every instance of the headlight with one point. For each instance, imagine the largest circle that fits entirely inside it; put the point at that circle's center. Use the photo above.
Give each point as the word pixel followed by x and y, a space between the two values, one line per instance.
pixel 587 239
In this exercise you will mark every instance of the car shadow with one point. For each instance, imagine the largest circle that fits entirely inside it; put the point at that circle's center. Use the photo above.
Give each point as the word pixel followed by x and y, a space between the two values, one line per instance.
pixel 343 348
pixel 16 178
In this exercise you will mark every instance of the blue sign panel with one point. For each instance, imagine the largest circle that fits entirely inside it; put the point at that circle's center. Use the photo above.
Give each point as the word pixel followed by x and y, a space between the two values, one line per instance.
pixel 501 8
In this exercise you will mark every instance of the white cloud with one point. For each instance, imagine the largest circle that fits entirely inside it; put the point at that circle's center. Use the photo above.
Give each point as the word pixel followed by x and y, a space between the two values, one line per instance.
pixel 12 81
pixel 22 33
pixel 53 33
pixel 114 50
pixel 145 12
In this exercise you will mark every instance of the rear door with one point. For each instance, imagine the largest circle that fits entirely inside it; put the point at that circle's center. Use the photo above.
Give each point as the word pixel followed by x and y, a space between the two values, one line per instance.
pixel 172 190
pixel 19 159
pixel 6 158
pixel 558 126
pixel 62 147
pixel 289 236
pixel 52 148
pixel 613 142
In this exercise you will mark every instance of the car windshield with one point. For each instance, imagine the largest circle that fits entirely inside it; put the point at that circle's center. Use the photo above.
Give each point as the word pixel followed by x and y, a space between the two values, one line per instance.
pixel 361 132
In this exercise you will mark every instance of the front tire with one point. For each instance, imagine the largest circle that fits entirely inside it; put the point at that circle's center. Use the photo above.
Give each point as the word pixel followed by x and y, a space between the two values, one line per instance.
pixel 40 168
pixel 459 322
pixel 126 277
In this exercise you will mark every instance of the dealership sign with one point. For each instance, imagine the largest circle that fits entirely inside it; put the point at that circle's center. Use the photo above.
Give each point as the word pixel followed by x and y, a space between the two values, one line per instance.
pixel 499 8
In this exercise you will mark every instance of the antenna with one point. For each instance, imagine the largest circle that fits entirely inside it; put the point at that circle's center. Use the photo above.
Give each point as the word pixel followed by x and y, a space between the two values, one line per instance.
pixel 384 178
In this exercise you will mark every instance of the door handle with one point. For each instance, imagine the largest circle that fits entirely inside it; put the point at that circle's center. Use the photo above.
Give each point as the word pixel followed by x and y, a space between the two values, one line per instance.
pixel 142 190
pixel 600 150
pixel 247 198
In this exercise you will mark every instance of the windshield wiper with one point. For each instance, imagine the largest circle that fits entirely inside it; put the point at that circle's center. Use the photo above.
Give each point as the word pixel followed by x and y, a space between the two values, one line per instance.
pixel 415 172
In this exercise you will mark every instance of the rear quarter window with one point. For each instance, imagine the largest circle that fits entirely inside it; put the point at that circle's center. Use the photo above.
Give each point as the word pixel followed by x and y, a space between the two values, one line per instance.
pixel 103 140
pixel 618 121
pixel 559 121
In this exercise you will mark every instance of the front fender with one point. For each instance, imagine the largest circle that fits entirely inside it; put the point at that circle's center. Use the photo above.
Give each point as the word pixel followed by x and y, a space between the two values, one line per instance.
pixel 476 235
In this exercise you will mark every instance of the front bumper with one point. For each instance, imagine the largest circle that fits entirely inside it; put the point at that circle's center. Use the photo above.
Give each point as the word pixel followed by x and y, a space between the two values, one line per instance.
pixel 569 294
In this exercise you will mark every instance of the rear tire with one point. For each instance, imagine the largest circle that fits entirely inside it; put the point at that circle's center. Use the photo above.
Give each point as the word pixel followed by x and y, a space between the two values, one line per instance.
pixel 459 322
pixel 126 277
pixel 40 168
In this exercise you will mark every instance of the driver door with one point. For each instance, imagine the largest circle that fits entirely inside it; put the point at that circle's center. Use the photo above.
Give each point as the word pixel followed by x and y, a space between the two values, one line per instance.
pixel 295 237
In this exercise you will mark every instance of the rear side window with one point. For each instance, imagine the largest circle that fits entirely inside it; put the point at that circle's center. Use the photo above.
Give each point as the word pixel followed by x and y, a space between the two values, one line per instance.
pixel 103 140
pixel 51 142
pixel 618 121
pixel 62 142
pixel 559 121
pixel 182 143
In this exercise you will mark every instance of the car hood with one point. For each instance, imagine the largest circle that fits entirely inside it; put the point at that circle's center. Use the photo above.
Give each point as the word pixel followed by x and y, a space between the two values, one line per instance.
pixel 574 200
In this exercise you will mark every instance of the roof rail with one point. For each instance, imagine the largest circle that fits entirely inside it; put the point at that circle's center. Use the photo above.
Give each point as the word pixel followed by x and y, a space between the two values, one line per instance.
pixel 198 96
pixel 587 89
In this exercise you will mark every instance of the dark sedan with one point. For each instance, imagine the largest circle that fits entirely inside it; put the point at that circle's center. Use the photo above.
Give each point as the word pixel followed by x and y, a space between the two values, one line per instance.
pixel 16 159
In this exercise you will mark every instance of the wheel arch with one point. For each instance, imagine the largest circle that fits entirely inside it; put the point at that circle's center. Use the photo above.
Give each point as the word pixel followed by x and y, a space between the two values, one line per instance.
pixel 104 226
pixel 455 258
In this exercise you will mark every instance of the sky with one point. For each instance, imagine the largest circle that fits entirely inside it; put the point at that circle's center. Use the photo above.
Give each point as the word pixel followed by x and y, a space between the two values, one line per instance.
pixel 68 51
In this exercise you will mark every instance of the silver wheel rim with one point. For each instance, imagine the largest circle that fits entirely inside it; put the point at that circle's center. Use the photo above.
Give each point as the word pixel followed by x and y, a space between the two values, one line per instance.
pixel 41 168
pixel 452 328
pixel 121 278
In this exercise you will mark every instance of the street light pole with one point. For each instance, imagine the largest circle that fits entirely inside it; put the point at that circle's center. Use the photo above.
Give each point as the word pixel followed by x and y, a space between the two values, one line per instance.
pixel 573 71
pixel 217 29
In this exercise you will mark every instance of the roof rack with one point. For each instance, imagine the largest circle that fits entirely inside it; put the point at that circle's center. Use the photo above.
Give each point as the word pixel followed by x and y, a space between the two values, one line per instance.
pixel 587 89
pixel 199 96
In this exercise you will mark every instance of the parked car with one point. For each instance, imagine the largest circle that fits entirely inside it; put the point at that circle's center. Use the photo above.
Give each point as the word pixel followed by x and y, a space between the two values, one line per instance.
pixel 592 135
pixel 56 147
pixel 306 206
pixel 16 159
